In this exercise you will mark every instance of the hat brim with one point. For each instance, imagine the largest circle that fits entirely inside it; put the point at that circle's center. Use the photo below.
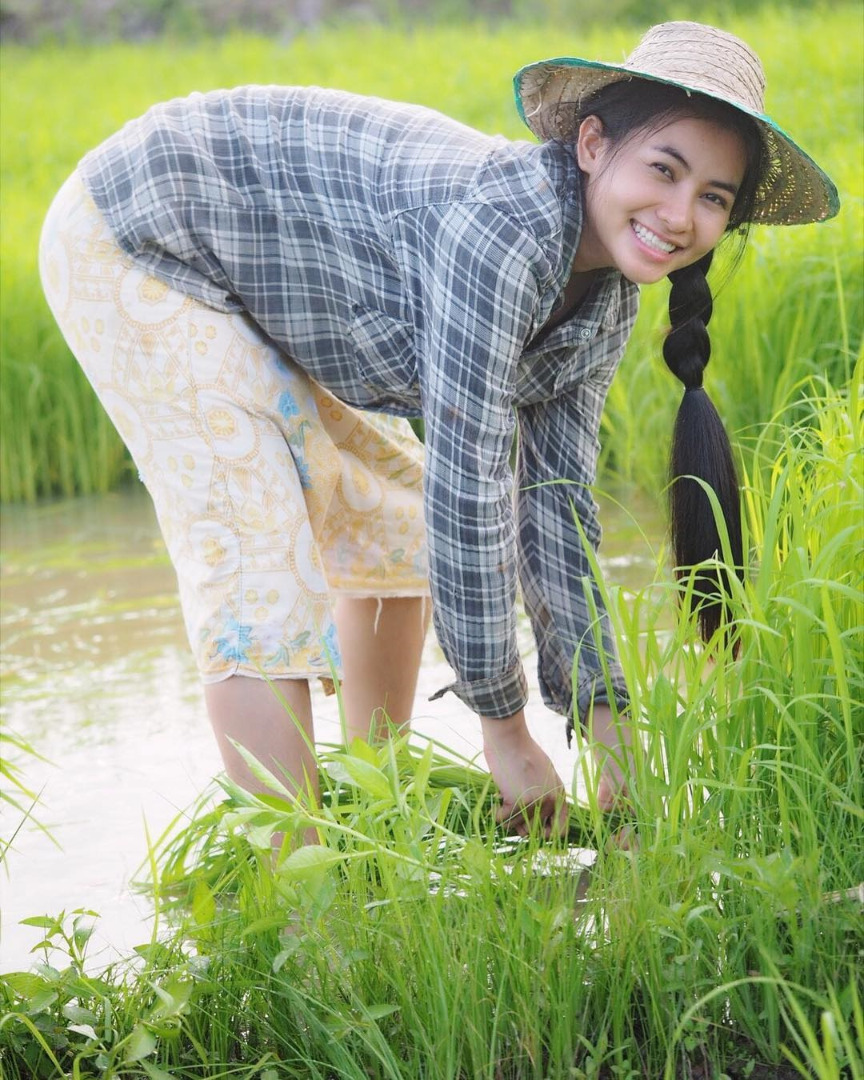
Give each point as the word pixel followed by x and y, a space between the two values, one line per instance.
pixel 794 190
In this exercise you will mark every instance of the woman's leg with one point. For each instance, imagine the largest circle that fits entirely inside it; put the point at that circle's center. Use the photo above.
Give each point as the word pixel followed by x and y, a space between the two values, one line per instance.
pixel 382 644
pixel 373 545
pixel 273 721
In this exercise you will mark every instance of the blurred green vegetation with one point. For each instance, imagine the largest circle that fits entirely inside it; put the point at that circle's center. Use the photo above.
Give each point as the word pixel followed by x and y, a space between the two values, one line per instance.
pixel 793 308
pixel 88 20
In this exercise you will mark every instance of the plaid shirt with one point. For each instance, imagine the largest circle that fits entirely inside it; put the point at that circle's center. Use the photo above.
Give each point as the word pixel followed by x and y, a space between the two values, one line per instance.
pixel 409 263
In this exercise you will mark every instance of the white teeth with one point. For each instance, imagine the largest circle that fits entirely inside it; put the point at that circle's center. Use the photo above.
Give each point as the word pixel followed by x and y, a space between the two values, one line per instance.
pixel 649 238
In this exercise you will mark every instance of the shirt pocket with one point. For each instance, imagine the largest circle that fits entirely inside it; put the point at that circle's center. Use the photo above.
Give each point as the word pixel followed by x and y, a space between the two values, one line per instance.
pixel 595 362
pixel 384 348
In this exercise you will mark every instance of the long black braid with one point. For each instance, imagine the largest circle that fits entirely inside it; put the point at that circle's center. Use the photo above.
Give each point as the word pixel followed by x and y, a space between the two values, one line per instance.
pixel 701 449
pixel 700 445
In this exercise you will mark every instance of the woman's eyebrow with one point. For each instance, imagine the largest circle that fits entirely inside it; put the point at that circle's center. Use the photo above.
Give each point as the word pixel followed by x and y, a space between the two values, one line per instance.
pixel 724 185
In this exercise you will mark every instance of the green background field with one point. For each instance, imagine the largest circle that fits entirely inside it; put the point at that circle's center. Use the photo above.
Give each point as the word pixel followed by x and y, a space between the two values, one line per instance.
pixel 793 308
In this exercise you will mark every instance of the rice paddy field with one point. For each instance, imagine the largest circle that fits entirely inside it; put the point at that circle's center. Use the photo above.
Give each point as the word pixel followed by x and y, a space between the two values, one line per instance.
pixel 793 309
pixel 416 942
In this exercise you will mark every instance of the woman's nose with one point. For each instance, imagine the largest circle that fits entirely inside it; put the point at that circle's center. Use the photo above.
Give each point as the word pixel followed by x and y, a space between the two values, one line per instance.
pixel 676 213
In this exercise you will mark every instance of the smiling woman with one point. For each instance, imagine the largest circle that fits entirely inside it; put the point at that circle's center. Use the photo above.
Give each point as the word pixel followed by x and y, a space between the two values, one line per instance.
pixel 667 176
pixel 354 257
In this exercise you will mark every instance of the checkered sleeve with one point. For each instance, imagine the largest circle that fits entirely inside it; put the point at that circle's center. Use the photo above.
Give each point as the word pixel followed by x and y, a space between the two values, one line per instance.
pixel 476 291
pixel 558 450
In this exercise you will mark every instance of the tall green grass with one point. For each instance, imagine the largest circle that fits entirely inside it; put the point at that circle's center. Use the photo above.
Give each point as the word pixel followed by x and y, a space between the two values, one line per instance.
pixel 794 308
pixel 109 20
pixel 417 942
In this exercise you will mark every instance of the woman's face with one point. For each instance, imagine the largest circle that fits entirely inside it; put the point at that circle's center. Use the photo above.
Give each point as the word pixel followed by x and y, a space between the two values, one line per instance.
pixel 658 201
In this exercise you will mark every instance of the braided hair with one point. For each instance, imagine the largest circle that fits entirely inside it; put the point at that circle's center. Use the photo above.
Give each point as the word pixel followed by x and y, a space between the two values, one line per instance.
pixel 701 455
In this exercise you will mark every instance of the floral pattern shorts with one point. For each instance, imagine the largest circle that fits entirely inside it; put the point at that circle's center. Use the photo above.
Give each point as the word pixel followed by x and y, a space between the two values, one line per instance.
pixel 273 497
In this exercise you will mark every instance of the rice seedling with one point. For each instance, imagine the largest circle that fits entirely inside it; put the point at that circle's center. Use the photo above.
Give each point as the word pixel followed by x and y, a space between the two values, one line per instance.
pixel 14 792
pixel 54 437
pixel 416 941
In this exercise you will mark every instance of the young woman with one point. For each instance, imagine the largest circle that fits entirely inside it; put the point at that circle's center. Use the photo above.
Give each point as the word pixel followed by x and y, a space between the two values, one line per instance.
pixel 262 283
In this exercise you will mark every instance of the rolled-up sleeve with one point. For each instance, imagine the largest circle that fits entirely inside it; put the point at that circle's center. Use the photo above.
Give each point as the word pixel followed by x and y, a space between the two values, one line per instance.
pixel 476 290
pixel 558 449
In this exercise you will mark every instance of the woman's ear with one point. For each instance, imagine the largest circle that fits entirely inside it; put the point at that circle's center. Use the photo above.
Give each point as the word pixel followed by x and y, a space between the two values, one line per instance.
pixel 590 144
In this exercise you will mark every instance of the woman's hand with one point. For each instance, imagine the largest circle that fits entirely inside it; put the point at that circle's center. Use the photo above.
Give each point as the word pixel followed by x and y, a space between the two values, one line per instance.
pixel 611 736
pixel 530 787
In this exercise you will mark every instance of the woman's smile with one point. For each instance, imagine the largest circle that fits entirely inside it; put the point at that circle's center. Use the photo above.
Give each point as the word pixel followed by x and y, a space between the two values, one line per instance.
pixel 651 240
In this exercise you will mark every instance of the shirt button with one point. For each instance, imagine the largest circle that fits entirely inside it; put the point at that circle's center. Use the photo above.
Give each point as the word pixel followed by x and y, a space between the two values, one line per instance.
pixel 585 333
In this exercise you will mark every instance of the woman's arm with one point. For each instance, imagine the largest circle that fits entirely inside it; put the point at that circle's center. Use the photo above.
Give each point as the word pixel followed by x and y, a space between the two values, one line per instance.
pixel 473 282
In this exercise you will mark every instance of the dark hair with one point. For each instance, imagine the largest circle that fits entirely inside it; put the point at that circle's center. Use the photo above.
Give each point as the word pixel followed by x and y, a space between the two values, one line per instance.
pixel 700 445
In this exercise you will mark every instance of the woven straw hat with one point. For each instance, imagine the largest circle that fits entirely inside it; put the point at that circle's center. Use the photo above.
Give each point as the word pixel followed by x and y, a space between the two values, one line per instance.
pixel 793 191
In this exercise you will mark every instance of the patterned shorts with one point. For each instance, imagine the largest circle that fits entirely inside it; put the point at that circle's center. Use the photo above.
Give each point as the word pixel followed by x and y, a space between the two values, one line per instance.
pixel 272 496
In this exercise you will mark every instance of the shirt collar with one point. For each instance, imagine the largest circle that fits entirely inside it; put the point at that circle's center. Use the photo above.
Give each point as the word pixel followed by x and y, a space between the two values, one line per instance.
pixel 566 178
pixel 599 308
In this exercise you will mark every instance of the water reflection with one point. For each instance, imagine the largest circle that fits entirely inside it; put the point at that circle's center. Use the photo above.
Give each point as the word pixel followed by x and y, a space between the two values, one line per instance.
pixel 96 676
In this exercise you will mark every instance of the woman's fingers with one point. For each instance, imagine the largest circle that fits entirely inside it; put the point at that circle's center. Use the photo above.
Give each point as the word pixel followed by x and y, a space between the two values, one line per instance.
pixel 550 810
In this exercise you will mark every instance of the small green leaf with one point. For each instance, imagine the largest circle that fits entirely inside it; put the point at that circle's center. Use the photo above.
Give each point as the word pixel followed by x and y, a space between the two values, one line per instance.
pixel 83 1029
pixel 82 932
pixel 41 1000
pixel 203 904
pixel 260 837
pixel 79 1016
pixel 308 862
pixel 44 921
pixel 142 1043
pixel 368 777
pixel 421 772
pixel 263 774
pixel 24 984
pixel 378 1012
pixel 360 750
pixel 263 925
pixel 173 997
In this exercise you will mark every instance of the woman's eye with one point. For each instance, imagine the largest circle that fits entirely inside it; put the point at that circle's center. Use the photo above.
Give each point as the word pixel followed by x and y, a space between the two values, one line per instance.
pixel 660 167
pixel 718 200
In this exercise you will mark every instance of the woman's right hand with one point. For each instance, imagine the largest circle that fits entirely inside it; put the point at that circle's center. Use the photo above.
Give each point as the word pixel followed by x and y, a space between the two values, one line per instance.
pixel 530 787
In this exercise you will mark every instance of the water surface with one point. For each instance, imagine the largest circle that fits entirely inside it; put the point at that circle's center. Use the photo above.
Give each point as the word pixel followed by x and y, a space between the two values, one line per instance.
pixel 97 677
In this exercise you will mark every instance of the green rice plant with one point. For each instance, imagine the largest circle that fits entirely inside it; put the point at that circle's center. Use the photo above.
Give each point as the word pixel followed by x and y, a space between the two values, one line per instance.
pixel 14 790
pixel 793 309
pixel 415 940
pixel 759 761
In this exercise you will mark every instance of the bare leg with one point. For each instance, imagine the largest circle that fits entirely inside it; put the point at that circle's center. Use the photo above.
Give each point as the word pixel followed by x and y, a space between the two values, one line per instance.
pixel 382 644
pixel 249 711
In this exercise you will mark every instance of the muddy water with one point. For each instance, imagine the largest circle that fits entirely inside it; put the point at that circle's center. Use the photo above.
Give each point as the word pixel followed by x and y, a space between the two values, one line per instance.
pixel 96 676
